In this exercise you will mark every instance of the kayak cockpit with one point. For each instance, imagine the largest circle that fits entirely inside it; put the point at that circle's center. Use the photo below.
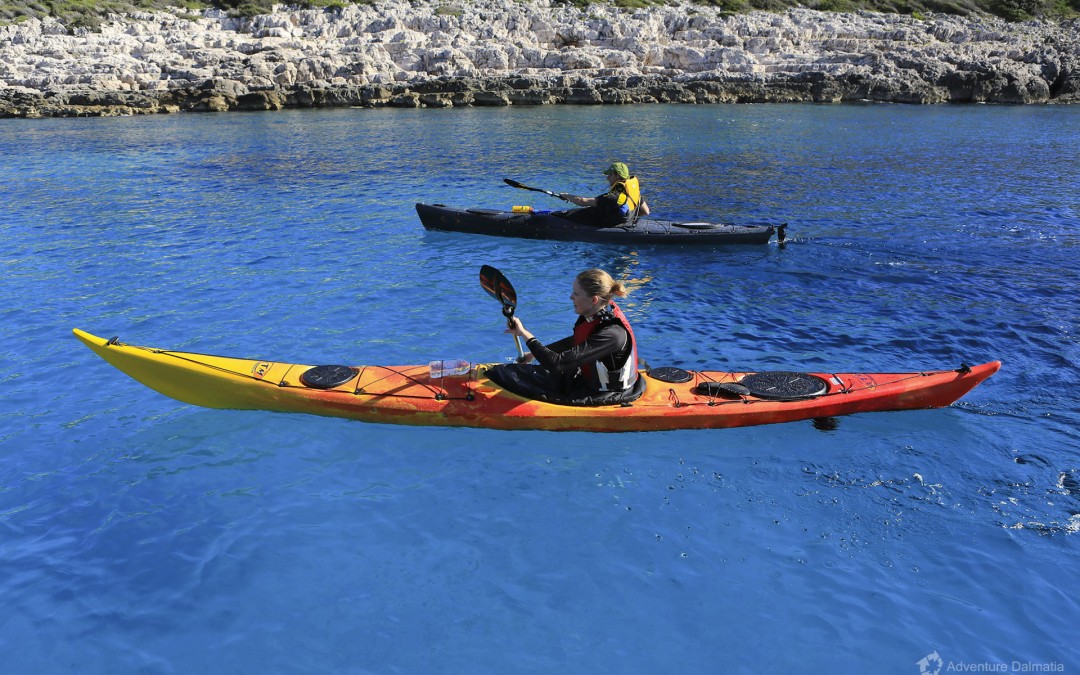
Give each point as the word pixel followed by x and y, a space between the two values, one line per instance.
pixel 535 383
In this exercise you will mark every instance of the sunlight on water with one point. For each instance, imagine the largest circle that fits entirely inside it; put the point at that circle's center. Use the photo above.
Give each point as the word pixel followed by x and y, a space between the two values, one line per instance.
pixel 142 534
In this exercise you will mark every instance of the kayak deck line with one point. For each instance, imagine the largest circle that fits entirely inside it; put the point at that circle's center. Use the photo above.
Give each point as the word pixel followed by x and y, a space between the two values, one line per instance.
pixel 479 368
pixel 283 382
pixel 408 395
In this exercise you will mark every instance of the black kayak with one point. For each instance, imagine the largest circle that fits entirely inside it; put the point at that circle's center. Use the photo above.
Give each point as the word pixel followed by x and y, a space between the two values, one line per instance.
pixel 556 225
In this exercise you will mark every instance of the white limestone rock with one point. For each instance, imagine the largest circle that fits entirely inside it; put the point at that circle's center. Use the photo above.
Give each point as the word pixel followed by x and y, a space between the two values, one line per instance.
pixel 797 55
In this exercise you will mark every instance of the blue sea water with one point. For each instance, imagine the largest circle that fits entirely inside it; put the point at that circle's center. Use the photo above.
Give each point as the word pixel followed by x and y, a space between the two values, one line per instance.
pixel 141 535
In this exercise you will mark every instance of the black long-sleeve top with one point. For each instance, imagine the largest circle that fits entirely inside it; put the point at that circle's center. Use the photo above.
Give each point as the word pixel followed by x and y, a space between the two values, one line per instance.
pixel 610 343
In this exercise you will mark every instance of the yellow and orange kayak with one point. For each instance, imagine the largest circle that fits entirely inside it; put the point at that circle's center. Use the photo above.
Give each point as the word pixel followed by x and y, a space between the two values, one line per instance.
pixel 410 395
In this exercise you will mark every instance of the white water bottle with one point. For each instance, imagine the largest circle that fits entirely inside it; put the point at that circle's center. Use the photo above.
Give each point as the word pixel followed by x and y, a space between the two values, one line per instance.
pixel 447 367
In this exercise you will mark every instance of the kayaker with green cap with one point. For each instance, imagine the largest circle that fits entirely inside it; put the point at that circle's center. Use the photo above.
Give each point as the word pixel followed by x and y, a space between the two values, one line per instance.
pixel 621 204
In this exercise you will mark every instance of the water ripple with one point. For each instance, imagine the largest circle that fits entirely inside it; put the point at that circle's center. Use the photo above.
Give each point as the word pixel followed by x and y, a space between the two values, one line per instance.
pixel 136 527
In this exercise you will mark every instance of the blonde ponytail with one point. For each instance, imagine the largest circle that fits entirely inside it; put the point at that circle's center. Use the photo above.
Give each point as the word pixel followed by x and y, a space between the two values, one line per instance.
pixel 599 283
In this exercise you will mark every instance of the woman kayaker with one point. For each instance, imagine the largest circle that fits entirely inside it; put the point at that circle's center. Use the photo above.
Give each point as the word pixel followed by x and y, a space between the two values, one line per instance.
pixel 621 204
pixel 601 355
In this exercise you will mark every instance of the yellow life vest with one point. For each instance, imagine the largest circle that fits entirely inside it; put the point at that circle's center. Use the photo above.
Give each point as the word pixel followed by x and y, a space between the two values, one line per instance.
pixel 627 194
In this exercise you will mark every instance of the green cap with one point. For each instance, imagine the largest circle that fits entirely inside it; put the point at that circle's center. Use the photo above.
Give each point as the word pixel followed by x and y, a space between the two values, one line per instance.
pixel 618 168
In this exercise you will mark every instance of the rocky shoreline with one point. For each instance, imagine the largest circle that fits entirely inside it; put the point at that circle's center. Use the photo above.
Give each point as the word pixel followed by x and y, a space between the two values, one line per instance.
pixel 495 52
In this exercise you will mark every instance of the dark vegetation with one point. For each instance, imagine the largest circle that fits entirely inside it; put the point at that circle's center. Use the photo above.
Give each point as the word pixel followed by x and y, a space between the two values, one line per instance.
pixel 90 13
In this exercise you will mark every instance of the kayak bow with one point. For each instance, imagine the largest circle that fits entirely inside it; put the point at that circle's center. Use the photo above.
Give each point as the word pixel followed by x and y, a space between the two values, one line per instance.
pixel 409 395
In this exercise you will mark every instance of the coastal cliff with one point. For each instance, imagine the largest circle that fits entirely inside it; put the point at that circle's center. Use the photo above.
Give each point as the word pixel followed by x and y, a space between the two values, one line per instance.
pixel 491 52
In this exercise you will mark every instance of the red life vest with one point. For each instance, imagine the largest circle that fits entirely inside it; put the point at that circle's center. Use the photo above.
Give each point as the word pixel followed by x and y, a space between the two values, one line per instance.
pixel 603 378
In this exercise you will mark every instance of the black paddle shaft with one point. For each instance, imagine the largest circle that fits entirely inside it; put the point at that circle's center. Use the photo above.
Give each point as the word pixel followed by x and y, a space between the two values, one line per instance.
pixel 522 186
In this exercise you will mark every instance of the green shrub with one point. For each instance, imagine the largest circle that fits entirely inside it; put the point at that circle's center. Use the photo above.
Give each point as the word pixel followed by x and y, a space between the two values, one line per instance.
pixel 1021 10
pixel 835 6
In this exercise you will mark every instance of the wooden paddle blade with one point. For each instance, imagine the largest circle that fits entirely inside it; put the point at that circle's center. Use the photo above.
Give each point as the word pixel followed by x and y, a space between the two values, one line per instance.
pixel 505 292
pixel 487 280
pixel 498 287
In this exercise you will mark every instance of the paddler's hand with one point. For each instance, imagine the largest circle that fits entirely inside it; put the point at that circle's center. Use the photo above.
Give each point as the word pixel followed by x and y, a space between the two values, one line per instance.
pixel 515 327
pixel 527 357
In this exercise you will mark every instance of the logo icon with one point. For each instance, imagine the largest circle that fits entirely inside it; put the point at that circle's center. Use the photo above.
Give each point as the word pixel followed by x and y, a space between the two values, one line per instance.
pixel 930 664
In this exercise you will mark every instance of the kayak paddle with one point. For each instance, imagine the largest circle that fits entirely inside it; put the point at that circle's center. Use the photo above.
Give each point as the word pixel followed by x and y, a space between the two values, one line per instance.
pixel 499 287
pixel 522 186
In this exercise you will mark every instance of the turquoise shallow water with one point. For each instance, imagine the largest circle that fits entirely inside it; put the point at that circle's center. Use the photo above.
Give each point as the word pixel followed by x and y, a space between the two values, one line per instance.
pixel 138 534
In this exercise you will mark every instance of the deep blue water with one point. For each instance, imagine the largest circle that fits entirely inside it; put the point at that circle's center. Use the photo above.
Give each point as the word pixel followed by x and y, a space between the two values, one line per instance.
pixel 138 534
